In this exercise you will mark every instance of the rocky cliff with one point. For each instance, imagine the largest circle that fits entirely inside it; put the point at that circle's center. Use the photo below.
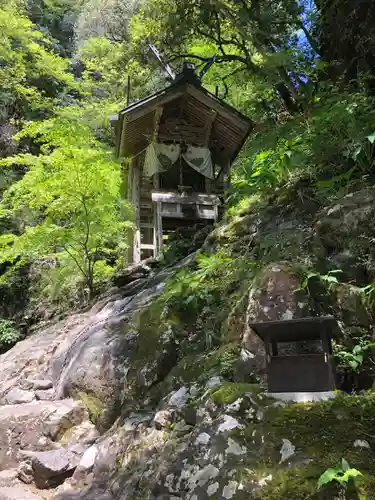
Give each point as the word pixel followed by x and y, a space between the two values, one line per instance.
pixel 158 390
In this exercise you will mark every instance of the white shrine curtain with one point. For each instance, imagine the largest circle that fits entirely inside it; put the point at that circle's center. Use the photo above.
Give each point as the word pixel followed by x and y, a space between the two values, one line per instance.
pixel 200 160
pixel 160 157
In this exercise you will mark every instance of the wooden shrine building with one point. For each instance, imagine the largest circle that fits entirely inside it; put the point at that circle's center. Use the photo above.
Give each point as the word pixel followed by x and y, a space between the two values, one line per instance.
pixel 306 365
pixel 180 144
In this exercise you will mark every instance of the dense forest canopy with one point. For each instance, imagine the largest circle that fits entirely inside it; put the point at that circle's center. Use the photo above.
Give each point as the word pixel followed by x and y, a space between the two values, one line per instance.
pixel 64 70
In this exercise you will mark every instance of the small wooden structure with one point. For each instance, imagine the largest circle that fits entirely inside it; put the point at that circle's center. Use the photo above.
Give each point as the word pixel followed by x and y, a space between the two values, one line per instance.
pixel 303 370
pixel 180 144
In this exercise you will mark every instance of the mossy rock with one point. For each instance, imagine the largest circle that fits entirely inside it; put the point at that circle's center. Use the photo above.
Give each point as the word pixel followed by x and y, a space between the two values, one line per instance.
pixel 296 483
pixel 323 433
pixel 198 368
pixel 229 392
pixel 96 409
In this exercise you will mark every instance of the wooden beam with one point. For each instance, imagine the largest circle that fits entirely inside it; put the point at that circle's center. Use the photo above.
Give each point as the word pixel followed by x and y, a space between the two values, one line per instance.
pixel 157 116
pixel 136 204
pixel 151 105
pixel 158 221
pixel 211 103
pixel 209 128
pixel 197 198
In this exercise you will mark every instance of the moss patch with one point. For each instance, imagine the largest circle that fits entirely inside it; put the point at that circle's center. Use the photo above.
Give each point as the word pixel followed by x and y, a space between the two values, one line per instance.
pixel 323 433
pixel 94 406
pixel 198 368
pixel 230 392
pixel 327 430
pixel 296 483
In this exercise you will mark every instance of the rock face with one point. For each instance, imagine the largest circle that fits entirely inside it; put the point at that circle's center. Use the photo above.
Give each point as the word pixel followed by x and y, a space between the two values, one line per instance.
pixel 112 404
pixel 32 426
pixel 347 219
pixel 51 468
pixel 345 233
pixel 86 356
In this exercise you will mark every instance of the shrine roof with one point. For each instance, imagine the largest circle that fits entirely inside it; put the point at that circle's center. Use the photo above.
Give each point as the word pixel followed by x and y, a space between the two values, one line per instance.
pixel 218 125
pixel 296 330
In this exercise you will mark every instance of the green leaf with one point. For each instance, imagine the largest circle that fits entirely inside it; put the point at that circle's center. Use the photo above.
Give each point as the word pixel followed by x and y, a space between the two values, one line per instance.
pixel 328 476
pixel 331 279
pixel 349 474
pixel 371 137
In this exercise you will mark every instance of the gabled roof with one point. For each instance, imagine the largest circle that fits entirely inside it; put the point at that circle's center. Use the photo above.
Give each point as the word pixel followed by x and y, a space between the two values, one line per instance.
pixel 295 330
pixel 229 128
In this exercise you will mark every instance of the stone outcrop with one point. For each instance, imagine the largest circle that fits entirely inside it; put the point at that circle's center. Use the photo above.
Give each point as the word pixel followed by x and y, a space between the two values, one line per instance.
pixel 109 404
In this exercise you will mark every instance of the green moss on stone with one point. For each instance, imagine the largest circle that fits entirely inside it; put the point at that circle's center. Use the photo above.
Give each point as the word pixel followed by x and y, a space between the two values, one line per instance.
pixel 295 483
pixel 198 368
pixel 93 405
pixel 323 433
pixel 230 392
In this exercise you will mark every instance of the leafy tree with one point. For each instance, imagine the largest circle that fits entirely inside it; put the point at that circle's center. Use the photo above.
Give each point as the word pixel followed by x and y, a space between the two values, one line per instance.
pixel 32 76
pixel 109 19
pixel 250 36
pixel 68 204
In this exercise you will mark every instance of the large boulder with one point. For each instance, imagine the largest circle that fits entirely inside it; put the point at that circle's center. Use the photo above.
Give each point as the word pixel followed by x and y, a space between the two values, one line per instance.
pixel 345 232
pixel 88 355
pixel 34 426
pixel 51 468
pixel 274 296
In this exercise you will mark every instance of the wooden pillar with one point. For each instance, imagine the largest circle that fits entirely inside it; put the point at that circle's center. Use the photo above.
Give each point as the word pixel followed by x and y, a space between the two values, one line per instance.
pixel 274 348
pixel 267 348
pixel 158 223
pixel 326 343
pixel 134 198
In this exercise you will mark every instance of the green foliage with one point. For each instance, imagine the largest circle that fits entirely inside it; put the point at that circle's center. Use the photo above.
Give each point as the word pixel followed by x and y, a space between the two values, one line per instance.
pixel 328 281
pixel 69 202
pixel 343 474
pixel 31 75
pixel 194 287
pixel 328 146
pixel 9 333
pixel 353 358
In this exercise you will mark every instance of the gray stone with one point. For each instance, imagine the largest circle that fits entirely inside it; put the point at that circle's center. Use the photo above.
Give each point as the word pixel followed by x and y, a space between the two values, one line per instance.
pixel 179 398
pixel 86 463
pixel 229 423
pixel 85 433
pixel 46 395
pixel 360 443
pixel 7 477
pixel 287 450
pixel 235 449
pixel 213 382
pixel 19 396
pixel 230 489
pixel 25 384
pixel 88 459
pixel 203 438
pixel 25 472
pixel 63 419
pixel 26 425
pixel 212 489
pixel 51 468
pixel 41 384
pixel 17 493
pixel 163 419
